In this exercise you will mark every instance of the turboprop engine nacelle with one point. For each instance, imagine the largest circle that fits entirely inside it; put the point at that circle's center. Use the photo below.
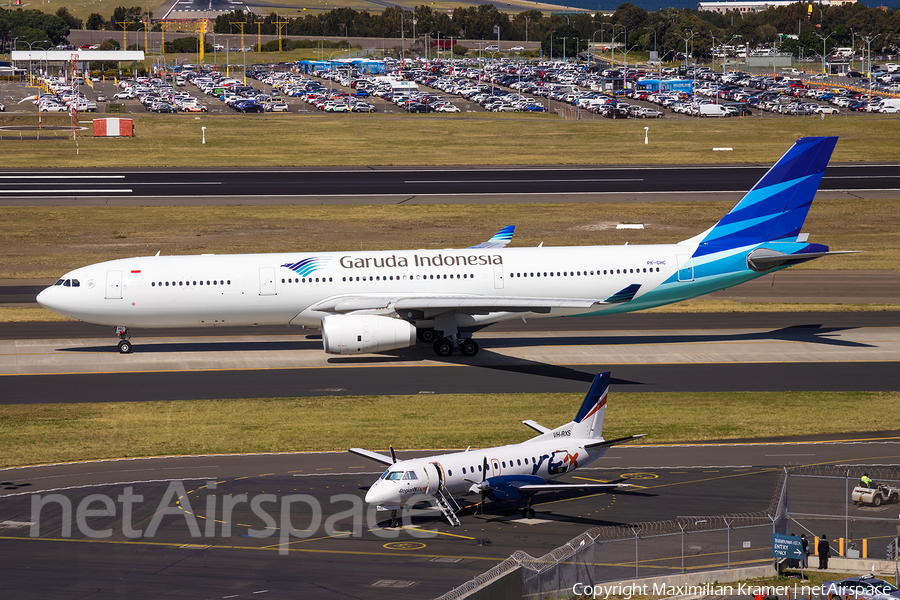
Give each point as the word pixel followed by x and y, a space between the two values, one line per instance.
pixel 358 334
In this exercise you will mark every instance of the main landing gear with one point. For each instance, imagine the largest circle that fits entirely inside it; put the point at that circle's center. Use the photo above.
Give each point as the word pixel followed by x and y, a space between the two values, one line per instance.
pixel 444 346
pixel 528 512
pixel 125 346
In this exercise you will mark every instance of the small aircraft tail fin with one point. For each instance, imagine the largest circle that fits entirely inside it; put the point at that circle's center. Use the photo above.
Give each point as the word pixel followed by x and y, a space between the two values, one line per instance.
pixel 588 423
pixel 776 207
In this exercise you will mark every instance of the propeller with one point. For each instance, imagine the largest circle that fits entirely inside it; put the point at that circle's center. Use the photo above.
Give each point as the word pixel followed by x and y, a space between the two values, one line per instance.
pixel 481 487
pixel 393 455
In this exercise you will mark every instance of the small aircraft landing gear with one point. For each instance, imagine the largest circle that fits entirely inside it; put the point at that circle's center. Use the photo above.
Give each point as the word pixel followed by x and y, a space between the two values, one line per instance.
pixel 528 512
pixel 395 522
pixel 125 346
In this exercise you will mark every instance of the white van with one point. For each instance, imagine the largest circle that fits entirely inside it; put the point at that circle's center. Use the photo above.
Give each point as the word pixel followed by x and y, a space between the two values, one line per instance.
pixel 713 110
pixel 890 106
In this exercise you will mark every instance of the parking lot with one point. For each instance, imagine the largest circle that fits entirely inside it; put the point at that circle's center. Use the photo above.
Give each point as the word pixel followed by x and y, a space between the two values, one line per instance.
pixel 565 89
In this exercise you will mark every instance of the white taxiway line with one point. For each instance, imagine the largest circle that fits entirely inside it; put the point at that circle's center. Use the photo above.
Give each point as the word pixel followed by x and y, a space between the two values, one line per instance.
pixel 414 181
pixel 67 192
pixel 62 177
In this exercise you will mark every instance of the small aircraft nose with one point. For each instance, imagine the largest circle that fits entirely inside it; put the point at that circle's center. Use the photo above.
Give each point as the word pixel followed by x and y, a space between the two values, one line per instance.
pixel 376 494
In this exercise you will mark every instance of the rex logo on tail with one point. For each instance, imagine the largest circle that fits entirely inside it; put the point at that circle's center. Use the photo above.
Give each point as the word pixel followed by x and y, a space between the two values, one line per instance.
pixel 386 300
pixel 503 473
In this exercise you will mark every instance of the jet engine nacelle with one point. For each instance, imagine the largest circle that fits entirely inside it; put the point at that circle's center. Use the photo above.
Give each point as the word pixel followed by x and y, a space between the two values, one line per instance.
pixel 358 334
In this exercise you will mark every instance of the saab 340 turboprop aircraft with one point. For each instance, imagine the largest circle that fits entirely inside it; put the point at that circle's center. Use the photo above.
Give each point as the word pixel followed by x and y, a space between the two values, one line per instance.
pixel 504 473
pixel 380 301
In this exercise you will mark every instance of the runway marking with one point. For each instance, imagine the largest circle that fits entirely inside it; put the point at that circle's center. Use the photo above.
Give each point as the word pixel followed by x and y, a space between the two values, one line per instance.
pixel 443 181
pixel 67 192
pixel 405 545
pixel 790 454
pixel 62 177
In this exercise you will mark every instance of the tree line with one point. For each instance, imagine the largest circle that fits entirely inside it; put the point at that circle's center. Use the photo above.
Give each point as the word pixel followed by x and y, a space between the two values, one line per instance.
pixel 667 31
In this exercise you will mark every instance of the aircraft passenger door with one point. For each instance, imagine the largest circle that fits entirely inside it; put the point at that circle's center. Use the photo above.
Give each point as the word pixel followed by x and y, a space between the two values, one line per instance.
pixel 113 285
pixel 498 277
pixel 267 281
pixel 495 467
pixel 685 267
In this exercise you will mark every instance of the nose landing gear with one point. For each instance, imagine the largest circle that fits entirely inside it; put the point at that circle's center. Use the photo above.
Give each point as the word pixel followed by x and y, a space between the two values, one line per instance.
pixel 125 346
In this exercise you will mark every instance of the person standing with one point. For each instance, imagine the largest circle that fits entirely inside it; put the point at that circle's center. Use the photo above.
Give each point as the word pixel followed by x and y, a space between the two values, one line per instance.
pixel 805 543
pixel 824 550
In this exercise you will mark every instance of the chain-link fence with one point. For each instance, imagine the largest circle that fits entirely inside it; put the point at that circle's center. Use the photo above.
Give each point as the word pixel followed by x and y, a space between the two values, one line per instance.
pixel 819 501
pixel 605 554
pixel 810 500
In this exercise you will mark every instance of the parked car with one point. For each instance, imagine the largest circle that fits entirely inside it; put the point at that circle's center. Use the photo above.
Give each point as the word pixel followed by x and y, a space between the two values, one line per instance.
pixel 649 113
pixel 101 97
pixel 865 587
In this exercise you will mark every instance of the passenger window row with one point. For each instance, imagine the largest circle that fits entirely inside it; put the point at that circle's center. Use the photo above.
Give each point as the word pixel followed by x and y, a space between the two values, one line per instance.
pixel 583 273
pixel 304 280
pixel 472 469
pixel 409 277
pixel 189 283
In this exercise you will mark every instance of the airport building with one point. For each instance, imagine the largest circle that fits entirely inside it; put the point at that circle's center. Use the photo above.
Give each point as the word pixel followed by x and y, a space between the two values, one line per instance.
pixel 760 5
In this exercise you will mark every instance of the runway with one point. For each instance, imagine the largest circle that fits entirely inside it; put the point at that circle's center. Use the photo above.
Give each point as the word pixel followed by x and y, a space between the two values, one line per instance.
pixel 346 553
pixel 418 185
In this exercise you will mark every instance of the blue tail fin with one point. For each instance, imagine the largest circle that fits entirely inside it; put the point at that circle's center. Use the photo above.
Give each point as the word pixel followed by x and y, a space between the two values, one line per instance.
pixel 774 210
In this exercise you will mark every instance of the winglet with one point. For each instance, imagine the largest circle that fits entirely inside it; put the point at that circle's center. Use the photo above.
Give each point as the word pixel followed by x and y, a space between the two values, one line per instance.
pixel 500 239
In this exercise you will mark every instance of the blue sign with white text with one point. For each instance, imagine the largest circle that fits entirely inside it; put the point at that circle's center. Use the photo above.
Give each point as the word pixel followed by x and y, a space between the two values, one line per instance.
pixel 786 546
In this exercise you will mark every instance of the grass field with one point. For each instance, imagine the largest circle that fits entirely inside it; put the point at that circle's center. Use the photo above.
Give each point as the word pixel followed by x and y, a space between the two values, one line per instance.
pixel 460 139
pixel 44 242
pixel 42 433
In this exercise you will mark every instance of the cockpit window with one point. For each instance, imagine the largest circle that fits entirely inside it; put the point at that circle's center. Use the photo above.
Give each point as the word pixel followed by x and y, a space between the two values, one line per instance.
pixel 394 475
pixel 385 474
pixel 410 475
pixel 76 283
pixel 68 283
pixel 60 282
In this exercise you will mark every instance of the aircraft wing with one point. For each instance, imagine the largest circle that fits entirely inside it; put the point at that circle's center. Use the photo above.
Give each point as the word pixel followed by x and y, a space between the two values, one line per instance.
pixel 500 239
pixel 356 302
pixel 380 458
pixel 561 487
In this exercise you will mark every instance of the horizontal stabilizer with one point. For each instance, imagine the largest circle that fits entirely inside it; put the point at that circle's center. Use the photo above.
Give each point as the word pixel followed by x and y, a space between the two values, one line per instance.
pixel 536 426
pixel 380 458
pixel 624 295
pixel 615 442
pixel 763 259
pixel 500 240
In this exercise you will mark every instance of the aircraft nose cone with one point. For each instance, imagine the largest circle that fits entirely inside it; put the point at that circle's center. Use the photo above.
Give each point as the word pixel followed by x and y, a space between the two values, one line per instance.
pixel 376 494
pixel 45 298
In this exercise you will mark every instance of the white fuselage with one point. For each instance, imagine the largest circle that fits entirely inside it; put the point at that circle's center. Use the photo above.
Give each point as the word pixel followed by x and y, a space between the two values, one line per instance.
pixel 460 470
pixel 262 289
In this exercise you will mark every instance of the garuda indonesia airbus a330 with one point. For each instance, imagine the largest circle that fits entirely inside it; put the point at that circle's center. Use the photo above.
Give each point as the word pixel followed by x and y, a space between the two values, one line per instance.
pixel 380 301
